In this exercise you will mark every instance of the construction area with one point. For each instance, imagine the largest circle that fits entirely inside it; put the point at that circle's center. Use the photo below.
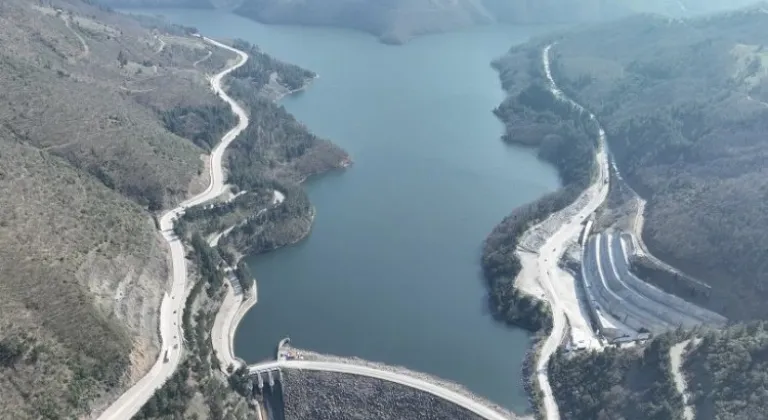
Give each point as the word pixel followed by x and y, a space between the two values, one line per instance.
pixel 622 307
pixel 604 302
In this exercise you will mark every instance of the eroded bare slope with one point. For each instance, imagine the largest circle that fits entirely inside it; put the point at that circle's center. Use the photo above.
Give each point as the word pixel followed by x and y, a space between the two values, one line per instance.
pixel 85 158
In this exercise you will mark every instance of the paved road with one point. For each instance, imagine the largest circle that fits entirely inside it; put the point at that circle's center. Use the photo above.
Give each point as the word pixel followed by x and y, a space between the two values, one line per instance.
pixel 554 247
pixel 461 400
pixel 233 308
pixel 172 306
pixel 222 332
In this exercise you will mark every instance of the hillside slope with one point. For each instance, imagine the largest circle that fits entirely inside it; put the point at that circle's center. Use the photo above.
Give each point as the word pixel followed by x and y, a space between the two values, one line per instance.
pixel 85 158
pixel 627 384
pixel 393 21
pixel 684 104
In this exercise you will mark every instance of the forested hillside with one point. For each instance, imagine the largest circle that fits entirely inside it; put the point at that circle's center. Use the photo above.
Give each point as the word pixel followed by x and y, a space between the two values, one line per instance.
pixel 275 152
pixel 617 384
pixel 685 106
pixel 86 161
pixel 726 375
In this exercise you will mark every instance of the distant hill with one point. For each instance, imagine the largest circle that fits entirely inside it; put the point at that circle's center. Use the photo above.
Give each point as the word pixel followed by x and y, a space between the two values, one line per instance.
pixel 396 21
pixel 197 4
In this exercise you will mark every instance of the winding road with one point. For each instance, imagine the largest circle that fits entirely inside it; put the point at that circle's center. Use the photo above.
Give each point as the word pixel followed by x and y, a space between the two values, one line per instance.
pixel 234 306
pixel 423 385
pixel 232 310
pixel 172 307
pixel 554 246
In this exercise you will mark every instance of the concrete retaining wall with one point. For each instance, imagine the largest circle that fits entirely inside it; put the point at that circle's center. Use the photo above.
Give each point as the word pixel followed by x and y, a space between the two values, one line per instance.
pixel 621 260
pixel 602 299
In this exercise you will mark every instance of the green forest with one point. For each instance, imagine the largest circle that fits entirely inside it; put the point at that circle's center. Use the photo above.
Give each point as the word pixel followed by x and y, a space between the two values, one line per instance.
pixel 204 125
pixel 275 152
pixel 261 67
pixel 617 384
pixel 685 107
pixel 727 372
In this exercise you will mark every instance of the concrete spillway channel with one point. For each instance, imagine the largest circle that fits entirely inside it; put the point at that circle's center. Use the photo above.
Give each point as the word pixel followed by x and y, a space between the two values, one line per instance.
pixel 662 316
pixel 637 304
pixel 695 314
pixel 608 297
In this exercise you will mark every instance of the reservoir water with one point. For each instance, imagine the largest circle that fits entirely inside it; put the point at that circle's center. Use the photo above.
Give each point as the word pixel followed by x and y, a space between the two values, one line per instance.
pixel 391 269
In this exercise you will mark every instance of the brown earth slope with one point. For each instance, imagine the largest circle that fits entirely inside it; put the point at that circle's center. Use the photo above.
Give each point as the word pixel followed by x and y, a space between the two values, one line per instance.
pixel 84 158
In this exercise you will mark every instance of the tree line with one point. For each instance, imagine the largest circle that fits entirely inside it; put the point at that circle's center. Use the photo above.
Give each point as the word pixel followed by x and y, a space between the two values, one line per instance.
pixel 617 384
pixel 261 67
pixel 203 125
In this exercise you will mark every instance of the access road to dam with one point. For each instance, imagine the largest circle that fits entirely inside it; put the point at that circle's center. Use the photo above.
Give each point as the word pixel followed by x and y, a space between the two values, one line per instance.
pixel 172 305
